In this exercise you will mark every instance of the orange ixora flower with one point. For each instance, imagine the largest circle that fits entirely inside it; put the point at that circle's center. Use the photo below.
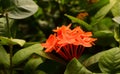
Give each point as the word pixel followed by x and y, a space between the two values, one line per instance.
pixel 68 43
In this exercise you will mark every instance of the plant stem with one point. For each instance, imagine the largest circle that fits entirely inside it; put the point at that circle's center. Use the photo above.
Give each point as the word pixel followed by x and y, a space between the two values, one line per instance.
pixel 119 35
pixel 10 45
pixel 4 70
pixel 8 26
pixel 11 54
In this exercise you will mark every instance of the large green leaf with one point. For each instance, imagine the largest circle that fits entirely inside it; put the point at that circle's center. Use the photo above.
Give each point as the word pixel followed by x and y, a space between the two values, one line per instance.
pixel 4 57
pixel 22 9
pixel 32 64
pixel 46 55
pixel 102 12
pixel 10 41
pixel 81 22
pixel 92 62
pixel 109 62
pixel 75 67
pixel 93 59
pixel 98 4
pixel 25 53
pixel 105 24
pixel 104 38
pixel 18 41
pixel 116 9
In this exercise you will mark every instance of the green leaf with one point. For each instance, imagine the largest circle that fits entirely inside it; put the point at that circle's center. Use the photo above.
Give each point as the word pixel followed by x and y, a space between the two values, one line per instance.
pixel 104 38
pixel 116 9
pixel 25 53
pixel 102 12
pixel 81 22
pixel 5 40
pixel 93 59
pixel 18 41
pixel 92 62
pixel 22 9
pixel 64 2
pixel 32 64
pixel 105 24
pixel 75 67
pixel 10 41
pixel 46 55
pixel 117 19
pixel 117 33
pixel 109 62
pixel 4 57
pixel 3 27
pixel 39 12
pixel 30 43
pixel 98 4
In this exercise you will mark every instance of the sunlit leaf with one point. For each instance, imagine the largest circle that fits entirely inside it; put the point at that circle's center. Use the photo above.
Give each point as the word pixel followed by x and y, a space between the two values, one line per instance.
pixel 109 62
pixel 81 22
pixel 22 9
pixel 32 64
pixel 4 58
pixel 10 41
pixel 116 9
pixel 117 19
pixel 19 41
pixel 103 12
pixel 75 67
pixel 117 33
pixel 25 53
pixel 5 41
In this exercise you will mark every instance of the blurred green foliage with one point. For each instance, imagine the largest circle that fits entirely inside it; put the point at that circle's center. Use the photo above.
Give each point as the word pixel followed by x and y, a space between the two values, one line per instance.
pixel 23 23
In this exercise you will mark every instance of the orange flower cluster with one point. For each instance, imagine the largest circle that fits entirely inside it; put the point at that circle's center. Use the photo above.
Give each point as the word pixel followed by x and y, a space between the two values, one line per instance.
pixel 68 43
